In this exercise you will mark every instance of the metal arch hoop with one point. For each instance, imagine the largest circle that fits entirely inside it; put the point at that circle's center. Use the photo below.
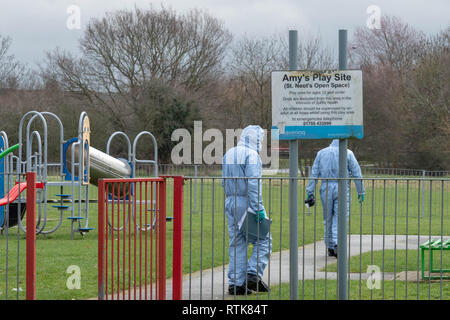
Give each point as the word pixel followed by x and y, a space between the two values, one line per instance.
pixel 29 149
pixel 61 136
pixel 61 141
pixel 154 162
pixel 108 145
pixel 155 150
pixel 35 114
pixel 123 134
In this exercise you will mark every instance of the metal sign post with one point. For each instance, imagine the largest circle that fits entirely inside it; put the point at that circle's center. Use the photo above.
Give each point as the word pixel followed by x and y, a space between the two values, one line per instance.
pixel 317 104
pixel 342 189
pixel 293 172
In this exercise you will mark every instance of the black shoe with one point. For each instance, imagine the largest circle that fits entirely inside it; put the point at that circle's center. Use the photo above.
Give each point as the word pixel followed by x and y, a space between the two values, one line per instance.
pixel 255 283
pixel 239 290
pixel 332 252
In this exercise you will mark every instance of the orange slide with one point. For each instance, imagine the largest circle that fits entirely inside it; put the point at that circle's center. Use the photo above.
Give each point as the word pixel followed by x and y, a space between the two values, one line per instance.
pixel 15 191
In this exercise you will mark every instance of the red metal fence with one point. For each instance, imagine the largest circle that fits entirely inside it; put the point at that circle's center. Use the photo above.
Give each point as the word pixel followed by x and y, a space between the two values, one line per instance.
pixel 132 238
pixel 31 237
pixel 12 216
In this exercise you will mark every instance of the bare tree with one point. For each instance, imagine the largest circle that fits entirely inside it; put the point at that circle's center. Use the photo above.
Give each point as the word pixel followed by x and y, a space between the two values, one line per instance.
pixel 395 45
pixel 252 61
pixel 127 49
pixel 385 55
pixel 313 54
pixel 251 64
pixel 427 101
pixel 406 95
pixel 11 70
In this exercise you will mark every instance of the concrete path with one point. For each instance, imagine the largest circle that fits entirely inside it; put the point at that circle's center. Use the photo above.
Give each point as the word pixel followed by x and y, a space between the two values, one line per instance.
pixel 211 284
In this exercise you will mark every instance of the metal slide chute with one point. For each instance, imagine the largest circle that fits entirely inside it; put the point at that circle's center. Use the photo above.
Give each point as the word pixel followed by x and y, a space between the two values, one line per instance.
pixel 13 207
pixel 101 165
pixel 13 194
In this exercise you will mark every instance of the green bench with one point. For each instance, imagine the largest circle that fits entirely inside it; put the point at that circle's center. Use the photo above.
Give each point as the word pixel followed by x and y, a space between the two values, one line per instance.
pixel 434 245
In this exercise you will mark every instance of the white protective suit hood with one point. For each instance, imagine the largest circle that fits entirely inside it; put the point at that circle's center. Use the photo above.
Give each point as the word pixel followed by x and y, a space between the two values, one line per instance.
pixel 335 143
pixel 252 137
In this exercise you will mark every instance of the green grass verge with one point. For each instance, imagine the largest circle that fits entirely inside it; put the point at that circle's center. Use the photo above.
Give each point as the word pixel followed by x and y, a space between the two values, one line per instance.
pixel 394 261
pixel 327 290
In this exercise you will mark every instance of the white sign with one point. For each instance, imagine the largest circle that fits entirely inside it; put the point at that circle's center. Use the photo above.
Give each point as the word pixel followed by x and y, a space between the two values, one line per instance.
pixel 317 104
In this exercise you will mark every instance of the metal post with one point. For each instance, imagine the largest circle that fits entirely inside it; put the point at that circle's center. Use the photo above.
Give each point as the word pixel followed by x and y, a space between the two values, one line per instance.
pixel 423 193
pixel 342 189
pixel 293 172
pixel 195 188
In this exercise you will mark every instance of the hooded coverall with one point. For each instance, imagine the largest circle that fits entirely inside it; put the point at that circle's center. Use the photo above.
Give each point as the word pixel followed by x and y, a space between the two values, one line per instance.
pixel 326 165
pixel 244 162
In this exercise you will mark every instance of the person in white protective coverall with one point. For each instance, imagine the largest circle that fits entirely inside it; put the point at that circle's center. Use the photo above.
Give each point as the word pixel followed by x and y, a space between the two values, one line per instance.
pixel 242 193
pixel 326 165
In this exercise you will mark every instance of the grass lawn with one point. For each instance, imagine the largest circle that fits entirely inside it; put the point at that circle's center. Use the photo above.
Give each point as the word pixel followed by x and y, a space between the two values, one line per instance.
pixel 389 261
pixel 394 261
pixel 327 290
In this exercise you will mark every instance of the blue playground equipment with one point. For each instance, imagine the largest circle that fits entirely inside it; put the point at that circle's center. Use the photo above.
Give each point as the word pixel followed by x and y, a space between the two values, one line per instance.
pixel 79 166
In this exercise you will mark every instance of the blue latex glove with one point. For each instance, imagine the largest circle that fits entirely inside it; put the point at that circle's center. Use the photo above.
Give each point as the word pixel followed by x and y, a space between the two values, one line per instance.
pixel 260 216
pixel 361 198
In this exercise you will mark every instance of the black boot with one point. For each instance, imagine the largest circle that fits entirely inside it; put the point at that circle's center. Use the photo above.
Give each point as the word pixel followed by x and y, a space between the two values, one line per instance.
pixel 239 290
pixel 332 252
pixel 255 283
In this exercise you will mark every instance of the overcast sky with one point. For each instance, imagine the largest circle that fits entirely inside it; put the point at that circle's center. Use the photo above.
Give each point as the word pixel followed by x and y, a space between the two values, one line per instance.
pixel 39 25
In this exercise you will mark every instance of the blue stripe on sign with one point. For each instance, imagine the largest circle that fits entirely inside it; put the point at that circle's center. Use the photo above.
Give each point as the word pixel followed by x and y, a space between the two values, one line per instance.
pixel 320 132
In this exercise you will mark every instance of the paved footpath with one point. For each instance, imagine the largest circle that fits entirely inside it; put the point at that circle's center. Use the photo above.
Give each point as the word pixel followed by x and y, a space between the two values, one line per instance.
pixel 213 283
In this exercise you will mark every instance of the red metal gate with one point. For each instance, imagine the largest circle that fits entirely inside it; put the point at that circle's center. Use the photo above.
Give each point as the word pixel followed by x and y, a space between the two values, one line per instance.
pixel 31 237
pixel 132 238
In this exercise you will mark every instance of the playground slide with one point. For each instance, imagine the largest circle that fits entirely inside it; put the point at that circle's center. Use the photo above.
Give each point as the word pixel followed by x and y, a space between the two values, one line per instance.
pixel 15 191
pixel 9 199
pixel 102 165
